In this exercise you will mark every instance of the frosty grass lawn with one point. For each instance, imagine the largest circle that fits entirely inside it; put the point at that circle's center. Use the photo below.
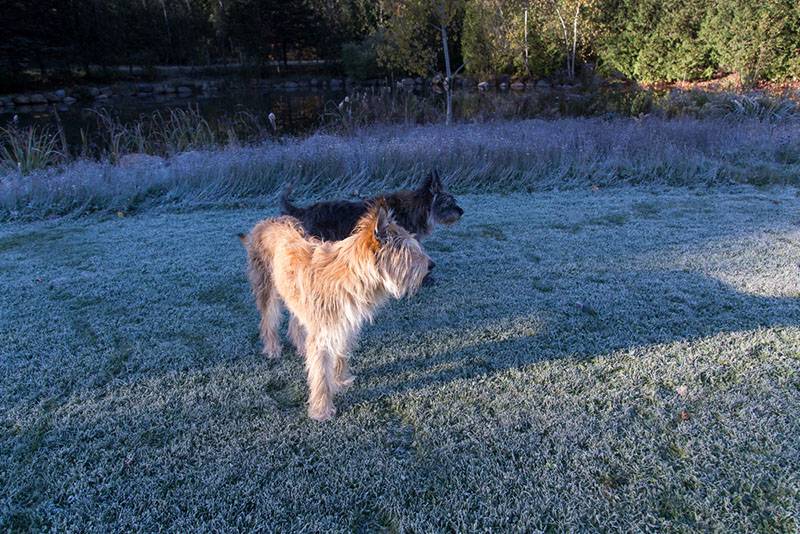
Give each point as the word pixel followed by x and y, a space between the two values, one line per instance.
pixel 616 359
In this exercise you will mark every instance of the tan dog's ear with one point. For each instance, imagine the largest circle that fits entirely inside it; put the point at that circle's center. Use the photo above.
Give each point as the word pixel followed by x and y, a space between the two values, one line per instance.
pixel 383 220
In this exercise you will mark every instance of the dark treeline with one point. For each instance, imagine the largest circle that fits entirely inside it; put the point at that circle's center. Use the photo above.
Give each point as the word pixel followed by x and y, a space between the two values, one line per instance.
pixel 47 38
pixel 646 40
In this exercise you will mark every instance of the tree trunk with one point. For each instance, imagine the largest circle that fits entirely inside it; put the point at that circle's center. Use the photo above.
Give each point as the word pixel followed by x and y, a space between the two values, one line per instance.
pixel 449 75
pixel 566 38
pixel 527 68
pixel 574 39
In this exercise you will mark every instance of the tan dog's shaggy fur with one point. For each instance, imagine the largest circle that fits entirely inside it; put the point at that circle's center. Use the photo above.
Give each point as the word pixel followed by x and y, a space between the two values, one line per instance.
pixel 330 289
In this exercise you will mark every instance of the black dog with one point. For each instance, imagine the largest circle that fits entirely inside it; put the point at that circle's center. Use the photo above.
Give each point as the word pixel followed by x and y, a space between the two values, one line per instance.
pixel 417 211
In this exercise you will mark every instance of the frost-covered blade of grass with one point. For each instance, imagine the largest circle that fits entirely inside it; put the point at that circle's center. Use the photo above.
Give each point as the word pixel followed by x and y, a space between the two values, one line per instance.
pixel 612 360
pixel 497 157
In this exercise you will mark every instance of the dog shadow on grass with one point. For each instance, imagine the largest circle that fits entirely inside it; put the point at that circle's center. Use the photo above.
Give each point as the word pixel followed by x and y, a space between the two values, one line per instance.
pixel 625 314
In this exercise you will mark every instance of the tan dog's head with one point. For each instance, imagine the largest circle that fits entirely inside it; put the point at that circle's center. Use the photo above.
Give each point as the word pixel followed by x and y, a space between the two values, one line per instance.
pixel 400 260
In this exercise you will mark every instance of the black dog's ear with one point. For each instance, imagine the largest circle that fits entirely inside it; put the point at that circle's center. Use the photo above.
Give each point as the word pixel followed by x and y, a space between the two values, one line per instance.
pixel 433 182
pixel 383 220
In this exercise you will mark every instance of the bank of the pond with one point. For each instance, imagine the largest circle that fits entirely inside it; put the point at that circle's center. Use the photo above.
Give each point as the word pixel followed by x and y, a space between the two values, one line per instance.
pixel 101 121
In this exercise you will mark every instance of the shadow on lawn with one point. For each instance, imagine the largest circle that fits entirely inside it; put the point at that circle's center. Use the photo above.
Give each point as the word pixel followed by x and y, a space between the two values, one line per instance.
pixel 666 307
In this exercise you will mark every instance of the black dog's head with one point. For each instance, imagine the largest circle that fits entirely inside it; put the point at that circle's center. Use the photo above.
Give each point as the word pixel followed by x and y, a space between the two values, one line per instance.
pixel 445 208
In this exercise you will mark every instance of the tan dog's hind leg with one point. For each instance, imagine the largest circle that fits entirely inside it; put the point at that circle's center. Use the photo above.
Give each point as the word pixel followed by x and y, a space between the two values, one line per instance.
pixel 269 303
pixel 297 333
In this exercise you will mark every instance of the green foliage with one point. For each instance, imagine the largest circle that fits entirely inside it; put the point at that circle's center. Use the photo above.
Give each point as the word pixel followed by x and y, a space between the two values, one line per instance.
pixel 494 38
pixel 360 58
pixel 413 39
pixel 266 29
pixel 487 46
pixel 757 39
pixel 650 40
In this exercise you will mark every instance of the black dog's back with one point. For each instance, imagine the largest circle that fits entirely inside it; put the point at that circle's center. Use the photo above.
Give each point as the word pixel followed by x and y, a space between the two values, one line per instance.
pixel 331 221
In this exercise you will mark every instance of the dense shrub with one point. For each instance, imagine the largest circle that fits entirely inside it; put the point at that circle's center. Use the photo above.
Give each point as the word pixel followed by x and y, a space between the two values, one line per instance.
pixel 494 39
pixel 645 40
pixel 650 40
pixel 654 41
pixel 360 58
pixel 757 39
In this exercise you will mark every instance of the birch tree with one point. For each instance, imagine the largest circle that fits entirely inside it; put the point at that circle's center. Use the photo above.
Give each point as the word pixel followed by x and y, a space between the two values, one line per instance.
pixel 417 32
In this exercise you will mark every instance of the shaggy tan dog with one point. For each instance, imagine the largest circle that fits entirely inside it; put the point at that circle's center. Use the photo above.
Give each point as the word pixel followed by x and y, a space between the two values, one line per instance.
pixel 331 289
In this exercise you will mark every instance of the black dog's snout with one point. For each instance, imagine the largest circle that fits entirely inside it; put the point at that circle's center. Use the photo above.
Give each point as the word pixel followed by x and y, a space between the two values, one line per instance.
pixel 431 265
pixel 460 211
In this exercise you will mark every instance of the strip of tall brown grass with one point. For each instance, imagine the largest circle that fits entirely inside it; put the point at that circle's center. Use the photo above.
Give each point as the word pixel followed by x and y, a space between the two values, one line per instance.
pixel 495 157
pixel 386 106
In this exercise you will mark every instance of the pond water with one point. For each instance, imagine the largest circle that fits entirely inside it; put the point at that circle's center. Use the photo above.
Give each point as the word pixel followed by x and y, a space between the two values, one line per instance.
pixel 299 112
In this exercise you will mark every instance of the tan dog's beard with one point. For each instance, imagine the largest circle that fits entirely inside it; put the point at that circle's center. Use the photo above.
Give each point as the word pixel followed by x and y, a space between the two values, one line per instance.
pixel 403 275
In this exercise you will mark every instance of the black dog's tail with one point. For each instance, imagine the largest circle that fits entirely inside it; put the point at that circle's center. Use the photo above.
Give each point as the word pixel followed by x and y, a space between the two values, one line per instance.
pixel 287 208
